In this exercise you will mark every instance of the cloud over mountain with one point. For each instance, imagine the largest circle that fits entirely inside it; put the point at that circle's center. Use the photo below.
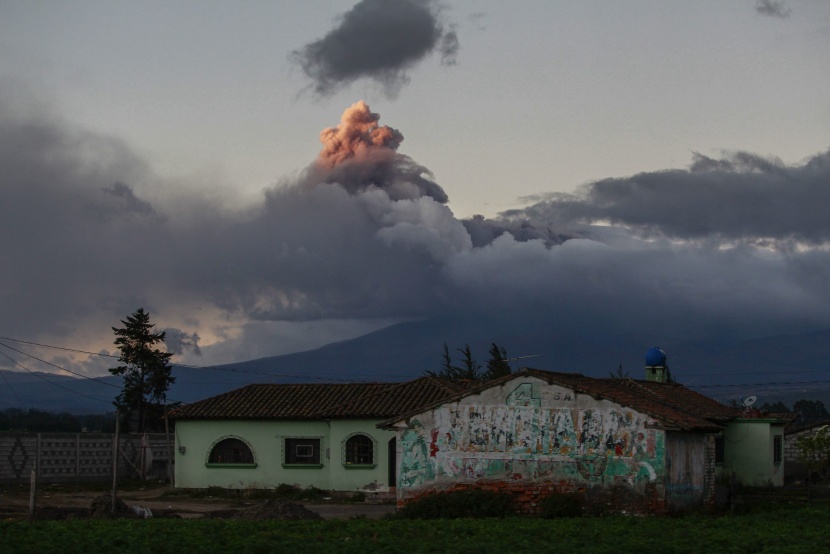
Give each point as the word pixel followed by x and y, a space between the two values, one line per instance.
pixel 733 245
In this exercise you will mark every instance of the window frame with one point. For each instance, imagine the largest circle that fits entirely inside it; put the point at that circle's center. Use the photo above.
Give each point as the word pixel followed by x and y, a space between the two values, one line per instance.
pixel 211 462
pixel 292 461
pixel 347 454
pixel 777 450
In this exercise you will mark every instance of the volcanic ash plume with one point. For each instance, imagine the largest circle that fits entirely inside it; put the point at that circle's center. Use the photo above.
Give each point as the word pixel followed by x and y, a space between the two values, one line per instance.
pixel 359 154
pixel 357 136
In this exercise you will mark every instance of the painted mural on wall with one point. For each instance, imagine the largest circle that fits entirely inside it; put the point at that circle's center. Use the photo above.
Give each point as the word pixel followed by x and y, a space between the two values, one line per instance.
pixel 522 440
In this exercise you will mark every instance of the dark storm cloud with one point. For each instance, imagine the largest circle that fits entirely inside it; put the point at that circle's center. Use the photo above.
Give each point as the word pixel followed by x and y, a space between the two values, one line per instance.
pixel 739 197
pixel 316 249
pixel 772 8
pixel 379 40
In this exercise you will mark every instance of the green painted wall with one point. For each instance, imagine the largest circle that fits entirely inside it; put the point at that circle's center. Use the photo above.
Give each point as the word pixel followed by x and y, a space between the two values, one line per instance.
pixel 194 440
pixel 748 451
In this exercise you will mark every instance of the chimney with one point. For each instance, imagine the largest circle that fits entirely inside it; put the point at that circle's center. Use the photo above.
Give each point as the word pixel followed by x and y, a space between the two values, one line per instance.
pixel 657 369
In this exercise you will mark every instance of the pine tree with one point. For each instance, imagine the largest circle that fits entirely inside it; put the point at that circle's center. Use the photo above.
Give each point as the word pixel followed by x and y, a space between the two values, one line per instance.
pixel 497 365
pixel 146 371
pixel 470 370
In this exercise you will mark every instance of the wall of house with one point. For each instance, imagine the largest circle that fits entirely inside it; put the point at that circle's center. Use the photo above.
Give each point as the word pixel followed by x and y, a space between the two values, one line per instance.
pixel 195 439
pixel 533 439
pixel 795 469
pixel 749 451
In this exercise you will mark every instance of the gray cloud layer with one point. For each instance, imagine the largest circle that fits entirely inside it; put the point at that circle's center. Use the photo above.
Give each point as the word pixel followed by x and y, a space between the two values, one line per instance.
pixel 378 40
pixel 736 245
pixel 739 197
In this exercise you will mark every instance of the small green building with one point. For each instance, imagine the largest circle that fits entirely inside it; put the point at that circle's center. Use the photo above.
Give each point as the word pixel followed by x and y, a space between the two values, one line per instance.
pixel 321 435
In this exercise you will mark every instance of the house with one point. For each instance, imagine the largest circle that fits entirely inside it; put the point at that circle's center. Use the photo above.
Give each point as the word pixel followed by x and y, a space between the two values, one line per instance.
pixel 641 446
pixel 634 445
pixel 321 435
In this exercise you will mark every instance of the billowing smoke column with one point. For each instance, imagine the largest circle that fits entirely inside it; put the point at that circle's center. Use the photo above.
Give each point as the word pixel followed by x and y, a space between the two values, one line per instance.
pixel 358 136
pixel 359 154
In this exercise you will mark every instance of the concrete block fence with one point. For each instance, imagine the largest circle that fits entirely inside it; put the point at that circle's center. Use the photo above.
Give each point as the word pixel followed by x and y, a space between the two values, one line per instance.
pixel 63 457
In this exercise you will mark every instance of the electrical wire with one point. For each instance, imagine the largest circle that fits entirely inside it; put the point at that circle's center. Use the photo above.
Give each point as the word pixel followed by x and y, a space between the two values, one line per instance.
pixel 34 374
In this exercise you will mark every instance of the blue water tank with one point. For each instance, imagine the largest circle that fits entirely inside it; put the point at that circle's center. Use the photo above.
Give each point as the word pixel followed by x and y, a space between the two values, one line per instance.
pixel 655 357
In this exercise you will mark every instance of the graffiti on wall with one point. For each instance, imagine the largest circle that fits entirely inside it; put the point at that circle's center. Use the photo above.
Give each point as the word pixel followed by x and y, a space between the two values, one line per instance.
pixel 521 440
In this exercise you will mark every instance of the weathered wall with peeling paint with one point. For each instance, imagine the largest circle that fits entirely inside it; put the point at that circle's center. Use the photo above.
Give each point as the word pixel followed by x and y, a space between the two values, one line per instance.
pixel 534 438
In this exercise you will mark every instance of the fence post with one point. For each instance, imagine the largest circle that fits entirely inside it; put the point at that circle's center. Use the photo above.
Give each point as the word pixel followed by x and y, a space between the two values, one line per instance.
pixel 170 460
pixel 32 489
pixel 115 460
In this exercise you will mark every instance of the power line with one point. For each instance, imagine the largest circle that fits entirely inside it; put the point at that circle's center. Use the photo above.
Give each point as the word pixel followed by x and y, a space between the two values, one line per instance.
pixel 59 367
pixel 59 347
pixel 34 374
pixel 779 383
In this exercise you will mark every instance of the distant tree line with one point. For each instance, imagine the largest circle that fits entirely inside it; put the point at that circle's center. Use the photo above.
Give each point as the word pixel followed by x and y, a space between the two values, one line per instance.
pixel 809 411
pixel 469 369
pixel 39 421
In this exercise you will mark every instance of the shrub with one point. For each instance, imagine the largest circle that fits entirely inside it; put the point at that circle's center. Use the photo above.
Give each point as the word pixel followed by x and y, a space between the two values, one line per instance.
pixel 473 503
pixel 559 505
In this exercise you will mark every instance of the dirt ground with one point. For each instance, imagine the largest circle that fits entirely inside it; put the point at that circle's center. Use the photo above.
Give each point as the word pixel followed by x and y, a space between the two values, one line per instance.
pixel 78 501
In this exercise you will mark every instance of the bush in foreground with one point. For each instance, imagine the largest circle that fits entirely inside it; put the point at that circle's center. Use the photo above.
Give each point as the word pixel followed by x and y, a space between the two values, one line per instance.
pixel 557 506
pixel 459 504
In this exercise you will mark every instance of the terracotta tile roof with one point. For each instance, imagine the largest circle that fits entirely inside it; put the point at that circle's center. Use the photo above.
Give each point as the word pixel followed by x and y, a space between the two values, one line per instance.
pixel 672 404
pixel 320 400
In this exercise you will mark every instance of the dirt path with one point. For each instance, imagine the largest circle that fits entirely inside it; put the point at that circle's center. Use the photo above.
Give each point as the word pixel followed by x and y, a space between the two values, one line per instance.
pixel 52 500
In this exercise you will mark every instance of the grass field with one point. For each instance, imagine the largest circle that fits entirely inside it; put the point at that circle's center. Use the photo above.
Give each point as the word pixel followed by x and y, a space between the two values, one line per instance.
pixel 784 529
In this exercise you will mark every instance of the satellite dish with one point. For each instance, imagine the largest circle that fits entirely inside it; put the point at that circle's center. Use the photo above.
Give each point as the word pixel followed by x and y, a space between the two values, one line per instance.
pixel 749 401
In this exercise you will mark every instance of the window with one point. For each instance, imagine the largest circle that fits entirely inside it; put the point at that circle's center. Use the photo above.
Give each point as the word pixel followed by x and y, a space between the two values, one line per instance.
pixel 301 451
pixel 359 450
pixel 719 445
pixel 231 451
pixel 777 449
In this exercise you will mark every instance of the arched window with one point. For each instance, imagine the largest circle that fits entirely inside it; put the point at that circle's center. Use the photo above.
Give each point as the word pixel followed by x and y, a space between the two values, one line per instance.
pixel 231 451
pixel 359 450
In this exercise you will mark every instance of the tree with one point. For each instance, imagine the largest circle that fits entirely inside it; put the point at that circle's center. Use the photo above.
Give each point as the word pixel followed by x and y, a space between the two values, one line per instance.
pixel 469 371
pixel 619 374
pixel 814 452
pixel 146 371
pixel 497 365
pixel 810 411
pixel 775 408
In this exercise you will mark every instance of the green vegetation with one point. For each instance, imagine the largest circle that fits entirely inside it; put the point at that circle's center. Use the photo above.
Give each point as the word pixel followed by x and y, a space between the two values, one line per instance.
pixel 39 421
pixel 786 530
pixel 814 452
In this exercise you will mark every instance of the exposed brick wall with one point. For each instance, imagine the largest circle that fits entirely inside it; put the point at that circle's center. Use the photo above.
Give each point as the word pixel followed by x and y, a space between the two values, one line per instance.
pixel 528 497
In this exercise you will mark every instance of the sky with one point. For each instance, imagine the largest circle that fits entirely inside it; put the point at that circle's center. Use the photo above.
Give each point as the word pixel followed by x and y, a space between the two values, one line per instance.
pixel 267 177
